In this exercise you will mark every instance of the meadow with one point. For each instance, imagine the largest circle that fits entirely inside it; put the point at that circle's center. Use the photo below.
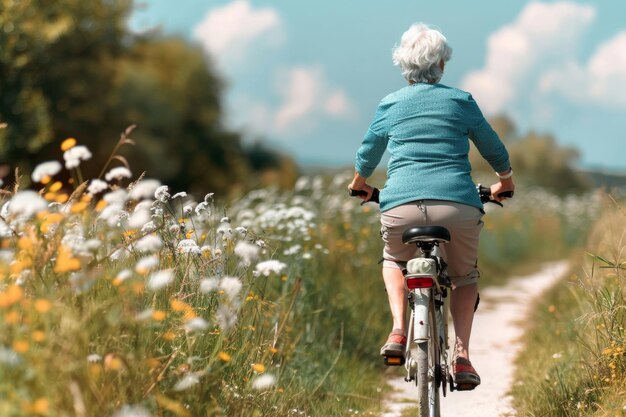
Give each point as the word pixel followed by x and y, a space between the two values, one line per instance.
pixel 574 359
pixel 122 297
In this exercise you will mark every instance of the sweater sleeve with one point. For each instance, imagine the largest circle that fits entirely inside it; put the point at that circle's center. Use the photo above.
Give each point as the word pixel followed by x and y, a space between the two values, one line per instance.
pixel 374 143
pixel 485 138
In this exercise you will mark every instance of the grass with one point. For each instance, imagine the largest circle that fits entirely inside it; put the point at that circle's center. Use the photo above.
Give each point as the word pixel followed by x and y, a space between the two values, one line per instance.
pixel 136 300
pixel 574 360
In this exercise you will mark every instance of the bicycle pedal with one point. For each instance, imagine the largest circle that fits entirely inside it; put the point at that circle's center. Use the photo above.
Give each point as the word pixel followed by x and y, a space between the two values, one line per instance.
pixel 394 360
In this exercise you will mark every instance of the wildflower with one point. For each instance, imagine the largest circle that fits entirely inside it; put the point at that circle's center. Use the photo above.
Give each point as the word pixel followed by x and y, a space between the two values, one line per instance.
pixel 181 194
pixel 20 346
pixel 208 197
pixel 209 284
pixel 145 264
pixel 68 144
pixel 65 261
pixel 140 216
pixel 148 227
pixel 159 315
pixel 40 406
pixel 144 315
pixel 42 305
pixel 94 358
pixel 9 357
pixel 46 169
pixel 188 246
pixel 196 324
pixel 268 267
pixel 258 368
pixel 132 411
pixel 231 286
pixel 263 382
pixel 224 357
pixel 74 155
pixel 160 279
pixel 187 382
pixel 117 197
pixel 188 209
pixel 149 243
pixel 226 316
pixel 25 204
pixel 118 173
pixel 97 186
pixel 144 189
pixel 247 252
pixel 161 194
pixel 201 207
pixel 38 336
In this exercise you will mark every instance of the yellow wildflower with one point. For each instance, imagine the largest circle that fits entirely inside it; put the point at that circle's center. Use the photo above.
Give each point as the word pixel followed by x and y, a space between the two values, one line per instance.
pixel 65 261
pixel 258 368
pixel 20 346
pixel 79 207
pixel 56 186
pixel 159 315
pixel 68 144
pixel 224 357
pixel 101 205
pixel 42 305
pixel 38 336
pixel 169 336
pixel 40 406
pixel 11 295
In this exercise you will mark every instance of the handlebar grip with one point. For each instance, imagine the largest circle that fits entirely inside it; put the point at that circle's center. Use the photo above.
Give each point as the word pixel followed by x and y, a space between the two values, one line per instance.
pixel 506 194
pixel 374 198
pixel 356 193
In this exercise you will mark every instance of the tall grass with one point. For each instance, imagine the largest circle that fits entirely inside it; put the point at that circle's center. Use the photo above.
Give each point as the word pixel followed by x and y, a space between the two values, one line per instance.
pixel 574 361
pixel 125 299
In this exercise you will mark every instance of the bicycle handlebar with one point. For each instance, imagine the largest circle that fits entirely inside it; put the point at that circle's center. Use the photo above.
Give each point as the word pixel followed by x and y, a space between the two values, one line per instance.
pixel 484 192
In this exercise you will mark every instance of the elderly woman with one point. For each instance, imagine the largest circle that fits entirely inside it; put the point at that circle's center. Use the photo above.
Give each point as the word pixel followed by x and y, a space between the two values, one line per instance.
pixel 426 127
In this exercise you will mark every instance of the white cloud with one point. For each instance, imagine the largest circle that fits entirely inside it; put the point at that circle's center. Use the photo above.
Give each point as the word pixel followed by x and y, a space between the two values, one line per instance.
pixel 542 34
pixel 306 98
pixel 231 31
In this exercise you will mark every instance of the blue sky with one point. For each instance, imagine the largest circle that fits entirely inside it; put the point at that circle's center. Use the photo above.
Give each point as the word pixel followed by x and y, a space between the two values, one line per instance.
pixel 306 76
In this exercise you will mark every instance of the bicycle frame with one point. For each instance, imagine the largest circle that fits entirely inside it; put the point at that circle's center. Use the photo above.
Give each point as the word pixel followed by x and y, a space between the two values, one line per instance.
pixel 427 330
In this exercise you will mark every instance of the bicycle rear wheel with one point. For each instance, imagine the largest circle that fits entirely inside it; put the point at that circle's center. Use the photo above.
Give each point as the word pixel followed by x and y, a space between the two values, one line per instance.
pixel 429 371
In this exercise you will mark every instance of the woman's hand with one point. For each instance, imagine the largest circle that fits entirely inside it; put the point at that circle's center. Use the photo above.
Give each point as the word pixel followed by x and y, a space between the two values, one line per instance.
pixel 358 183
pixel 501 187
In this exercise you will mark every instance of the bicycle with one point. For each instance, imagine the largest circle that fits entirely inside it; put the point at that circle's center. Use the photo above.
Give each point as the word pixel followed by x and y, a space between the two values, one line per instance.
pixel 428 285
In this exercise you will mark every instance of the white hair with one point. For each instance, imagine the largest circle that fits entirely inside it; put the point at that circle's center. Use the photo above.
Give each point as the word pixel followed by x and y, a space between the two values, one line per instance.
pixel 420 52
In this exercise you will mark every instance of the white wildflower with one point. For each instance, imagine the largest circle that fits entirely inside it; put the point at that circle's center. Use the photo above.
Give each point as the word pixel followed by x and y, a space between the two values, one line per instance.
pixel 231 287
pixel 268 267
pixel 160 279
pixel 181 194
pixel 149 243
pixel 9 357
pixel 45 169
pixel 74 155
pixel 188 209
pixel 25 204
pixel 161 194
pixel 144 315
pixel 557 355
pixel 263 382
pixel 132 411
pixel 201 207
pixel 97 186
pixel 118 173
pixel 224 220
pixel 188 246
pixel 144 189
pixel 94 358
pixel 196 324
pixel 148 227
pixel 117 197
pixel 123 275
pixel 175 228
pixel 247 251
pixel 208 197
pixel 119 254
pixel 226 316
pixel 146 264
pixel 187 382
pixel 209 284
pixel 93 244
pixel 141 215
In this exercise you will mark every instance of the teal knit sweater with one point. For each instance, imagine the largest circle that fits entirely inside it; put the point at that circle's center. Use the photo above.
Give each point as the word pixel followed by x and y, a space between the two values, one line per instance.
pixel 426 128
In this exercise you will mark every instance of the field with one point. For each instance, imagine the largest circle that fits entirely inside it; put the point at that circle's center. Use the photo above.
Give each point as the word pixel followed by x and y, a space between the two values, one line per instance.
pixel 122 297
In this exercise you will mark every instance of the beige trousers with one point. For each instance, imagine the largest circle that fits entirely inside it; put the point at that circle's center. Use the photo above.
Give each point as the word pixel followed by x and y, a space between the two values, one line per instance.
pixel 462 221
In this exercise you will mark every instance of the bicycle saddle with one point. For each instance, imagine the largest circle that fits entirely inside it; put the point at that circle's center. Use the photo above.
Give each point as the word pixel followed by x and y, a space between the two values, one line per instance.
pixel 426 234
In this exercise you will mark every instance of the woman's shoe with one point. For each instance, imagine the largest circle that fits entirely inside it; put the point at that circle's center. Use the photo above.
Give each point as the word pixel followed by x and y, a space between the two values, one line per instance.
pixel 395 345
pixel 464 374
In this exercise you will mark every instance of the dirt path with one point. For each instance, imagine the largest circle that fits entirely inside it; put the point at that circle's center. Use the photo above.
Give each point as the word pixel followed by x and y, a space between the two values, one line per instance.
pixel 494 346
